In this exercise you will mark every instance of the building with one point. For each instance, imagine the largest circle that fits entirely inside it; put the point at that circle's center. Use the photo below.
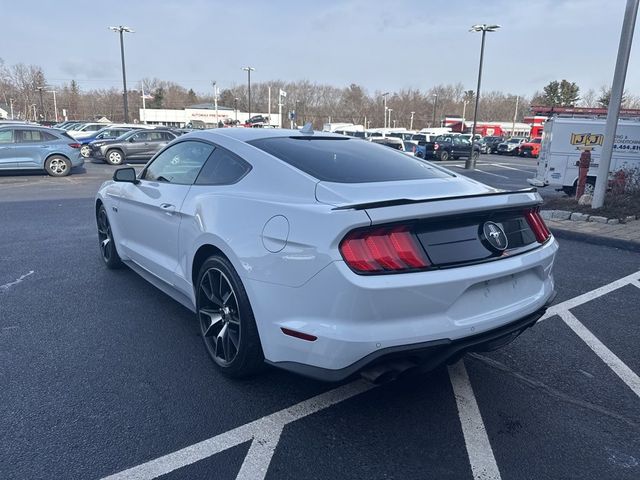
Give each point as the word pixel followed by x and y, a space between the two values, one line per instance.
pixel 504 129
pixel 201 113
pixel 3 114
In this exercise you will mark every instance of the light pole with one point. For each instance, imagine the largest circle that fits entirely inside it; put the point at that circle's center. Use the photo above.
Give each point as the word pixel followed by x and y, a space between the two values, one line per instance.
pixel 235 107
pixel 435 105
pixel 249 70
pixel 55 104
pixel 121 29
pixel 484 28
pixel 389 123
pixel 384 98
pixel 41 103
pixel 464 111
pixel 11 103
pixel 411 121
pixel 215 99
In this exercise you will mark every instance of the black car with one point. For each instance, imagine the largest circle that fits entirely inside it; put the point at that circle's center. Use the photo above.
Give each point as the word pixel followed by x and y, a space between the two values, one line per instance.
pixel 492 143
pixel 135 145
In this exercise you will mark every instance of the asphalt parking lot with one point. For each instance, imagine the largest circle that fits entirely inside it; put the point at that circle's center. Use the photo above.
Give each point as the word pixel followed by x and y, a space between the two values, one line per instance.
pixel 104 376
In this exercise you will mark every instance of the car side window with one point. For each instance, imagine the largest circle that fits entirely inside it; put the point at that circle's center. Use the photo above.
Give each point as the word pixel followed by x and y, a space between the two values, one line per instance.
pixel 179 164
pixel 29 136
pixel 167 136
pixel 140 137
pixel 6 136
pixel 223 168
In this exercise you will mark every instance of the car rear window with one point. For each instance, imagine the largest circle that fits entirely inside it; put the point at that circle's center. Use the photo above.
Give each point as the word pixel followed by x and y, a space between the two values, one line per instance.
pixel 346 160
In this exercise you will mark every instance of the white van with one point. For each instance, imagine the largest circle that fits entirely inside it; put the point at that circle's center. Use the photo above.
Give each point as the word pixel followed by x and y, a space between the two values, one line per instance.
pixel 564 139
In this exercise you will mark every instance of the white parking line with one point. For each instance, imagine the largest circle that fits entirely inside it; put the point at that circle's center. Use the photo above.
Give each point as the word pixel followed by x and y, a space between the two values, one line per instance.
pixel 512 168
pixel 482 171
pixel 618 366
pixel 265 433
pixel 483 463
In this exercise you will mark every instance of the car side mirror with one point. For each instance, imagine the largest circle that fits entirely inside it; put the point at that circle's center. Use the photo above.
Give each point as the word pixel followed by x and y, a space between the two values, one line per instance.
pixel 127 174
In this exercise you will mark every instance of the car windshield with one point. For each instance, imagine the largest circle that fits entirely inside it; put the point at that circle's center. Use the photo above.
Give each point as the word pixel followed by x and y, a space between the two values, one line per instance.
pixel 345 160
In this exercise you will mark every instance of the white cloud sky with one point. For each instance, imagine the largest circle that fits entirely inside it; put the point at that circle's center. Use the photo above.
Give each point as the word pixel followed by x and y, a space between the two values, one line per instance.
pixel 380 45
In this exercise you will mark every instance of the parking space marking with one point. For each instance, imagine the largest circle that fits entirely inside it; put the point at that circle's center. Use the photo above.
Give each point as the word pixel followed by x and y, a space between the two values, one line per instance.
pixel 511 168
pixel 592 295
pixel 264 432
pixel 479 451
pixel 607 356
pixel 482 171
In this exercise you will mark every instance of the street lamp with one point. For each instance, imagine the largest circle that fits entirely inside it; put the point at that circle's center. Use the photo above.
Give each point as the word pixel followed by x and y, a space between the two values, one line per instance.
pixel 41 103
pixel 249 70
pixel 484 28
pixel 435 105
pixel 55 104
pixel 235 107
pixel 121 29
pixel 390 110
pixel 384 98
pixel 411 121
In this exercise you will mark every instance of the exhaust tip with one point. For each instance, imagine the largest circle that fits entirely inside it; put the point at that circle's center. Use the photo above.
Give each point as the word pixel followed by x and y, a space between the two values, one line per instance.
pixel 387 372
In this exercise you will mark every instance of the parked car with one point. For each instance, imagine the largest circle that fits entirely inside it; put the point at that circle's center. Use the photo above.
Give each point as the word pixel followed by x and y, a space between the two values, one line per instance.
pixel 323 254
pixel 492 143
pixel 87 130
pixel 391 142
pixel 531 148
pixel 29 147
pixel 107 133
pixel 445 147
pixel 134 145
pixel 257 120
pixel 511 146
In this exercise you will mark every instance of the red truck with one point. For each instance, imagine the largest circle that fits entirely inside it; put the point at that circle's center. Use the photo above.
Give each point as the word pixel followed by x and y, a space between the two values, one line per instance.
pixel 530 148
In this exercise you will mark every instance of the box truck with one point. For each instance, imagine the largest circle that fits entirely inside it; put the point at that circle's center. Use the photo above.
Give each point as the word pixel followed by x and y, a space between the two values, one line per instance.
pixel 564 139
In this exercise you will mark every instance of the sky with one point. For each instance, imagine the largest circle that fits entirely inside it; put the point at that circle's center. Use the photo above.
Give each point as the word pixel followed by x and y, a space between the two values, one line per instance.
pixel 381 45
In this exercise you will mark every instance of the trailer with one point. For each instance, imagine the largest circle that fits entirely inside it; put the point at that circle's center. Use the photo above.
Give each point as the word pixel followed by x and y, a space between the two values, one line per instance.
pixel 564 139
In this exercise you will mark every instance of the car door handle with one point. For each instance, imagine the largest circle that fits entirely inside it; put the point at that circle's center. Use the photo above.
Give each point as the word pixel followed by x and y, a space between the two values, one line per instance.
pixel 168 208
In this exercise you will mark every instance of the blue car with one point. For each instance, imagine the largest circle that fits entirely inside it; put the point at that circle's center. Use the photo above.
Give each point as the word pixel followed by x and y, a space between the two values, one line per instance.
pixel 107 133
pixel 27 147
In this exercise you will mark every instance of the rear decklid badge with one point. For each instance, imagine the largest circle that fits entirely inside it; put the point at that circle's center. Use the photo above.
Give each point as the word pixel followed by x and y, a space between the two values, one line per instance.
pixel 493 237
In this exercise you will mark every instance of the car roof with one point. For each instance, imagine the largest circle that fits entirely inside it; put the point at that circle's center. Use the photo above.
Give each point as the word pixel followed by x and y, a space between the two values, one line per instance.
pixel 249 134
pixel 30 127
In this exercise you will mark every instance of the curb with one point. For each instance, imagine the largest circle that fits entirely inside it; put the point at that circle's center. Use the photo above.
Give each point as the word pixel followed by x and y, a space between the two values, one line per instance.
pixel 629 245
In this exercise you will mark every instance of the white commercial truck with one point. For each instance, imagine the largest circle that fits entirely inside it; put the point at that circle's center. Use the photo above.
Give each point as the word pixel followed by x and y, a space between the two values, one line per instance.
pixel 564 139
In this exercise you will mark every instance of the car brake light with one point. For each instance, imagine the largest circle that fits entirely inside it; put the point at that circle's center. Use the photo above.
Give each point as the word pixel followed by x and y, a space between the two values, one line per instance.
pixel 537 225
pixel 75 145
pixel 382 250
pixel 436 146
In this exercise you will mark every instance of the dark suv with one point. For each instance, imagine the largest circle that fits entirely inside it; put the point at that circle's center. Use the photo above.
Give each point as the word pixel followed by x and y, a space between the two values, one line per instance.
pixel 135 145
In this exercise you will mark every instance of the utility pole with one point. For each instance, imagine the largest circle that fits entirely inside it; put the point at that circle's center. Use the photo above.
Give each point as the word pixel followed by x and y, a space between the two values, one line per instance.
pixel 249 70
pixel 55 104
pixel 215 100
pixel 282 94
pixel 41 103
pixel 411 121
pixel 435 105
pixel 121 29
pixel 617 89
pixel 11 106
pixel 384 97
pixel 515 114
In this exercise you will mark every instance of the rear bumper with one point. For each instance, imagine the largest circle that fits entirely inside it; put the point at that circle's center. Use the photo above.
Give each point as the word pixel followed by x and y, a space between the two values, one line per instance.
pixel 427 355
pixel 357 319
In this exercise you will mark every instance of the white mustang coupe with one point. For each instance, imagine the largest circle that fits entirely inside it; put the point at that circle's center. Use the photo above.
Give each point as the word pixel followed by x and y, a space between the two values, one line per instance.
pixel 328 255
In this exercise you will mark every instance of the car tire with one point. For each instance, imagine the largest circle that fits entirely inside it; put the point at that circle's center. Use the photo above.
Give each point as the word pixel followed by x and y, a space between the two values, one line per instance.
pixel 226 320
pixel 85 151
pixel 114 157
pixel 107 245
pixel 444 156
pixel 57 166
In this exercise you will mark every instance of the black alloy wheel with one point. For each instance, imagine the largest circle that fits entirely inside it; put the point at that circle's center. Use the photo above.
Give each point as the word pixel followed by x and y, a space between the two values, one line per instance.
pixel 226 319
pixel 108 250
pixel 444 156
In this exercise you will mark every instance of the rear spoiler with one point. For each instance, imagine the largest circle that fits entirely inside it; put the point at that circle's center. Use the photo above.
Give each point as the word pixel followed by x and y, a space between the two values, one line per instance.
pixel 408 201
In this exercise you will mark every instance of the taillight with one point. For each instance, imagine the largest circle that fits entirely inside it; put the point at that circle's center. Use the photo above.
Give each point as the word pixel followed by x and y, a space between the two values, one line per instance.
pixel 380 250
pixel 436 146
pixel 75 145
pixel 537 225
